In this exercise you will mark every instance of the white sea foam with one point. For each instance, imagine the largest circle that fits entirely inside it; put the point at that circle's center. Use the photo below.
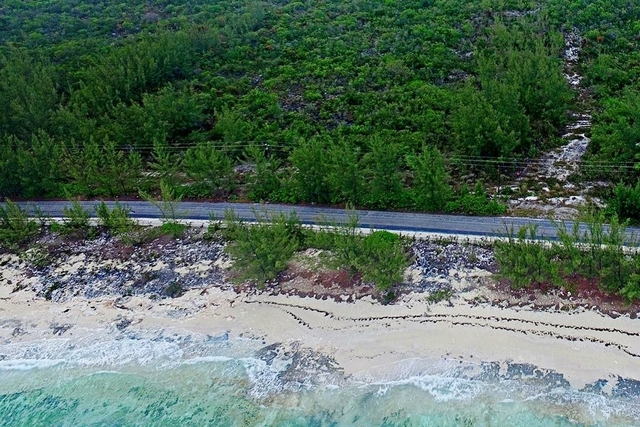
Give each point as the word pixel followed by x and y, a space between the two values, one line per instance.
pixel 28 364
pixel 207 359
pixel 442 380
pixel 441 388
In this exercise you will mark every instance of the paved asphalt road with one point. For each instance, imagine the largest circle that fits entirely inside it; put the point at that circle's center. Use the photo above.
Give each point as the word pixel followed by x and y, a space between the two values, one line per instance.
pixel 399 221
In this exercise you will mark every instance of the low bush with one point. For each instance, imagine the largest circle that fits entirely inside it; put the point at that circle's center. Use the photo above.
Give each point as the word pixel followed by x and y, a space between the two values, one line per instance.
pixel 173 229
pixel 476 202
pixel 625 203
pixel 16 227
pixel 591 249
pixel 383 259
pixel 76 219
pixel 262 250
pixel 116 220
pixel 173 290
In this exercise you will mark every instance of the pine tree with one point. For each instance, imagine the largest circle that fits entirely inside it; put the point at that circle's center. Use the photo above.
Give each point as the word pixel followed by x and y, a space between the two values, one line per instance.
pixel 209 168
pixel 431 189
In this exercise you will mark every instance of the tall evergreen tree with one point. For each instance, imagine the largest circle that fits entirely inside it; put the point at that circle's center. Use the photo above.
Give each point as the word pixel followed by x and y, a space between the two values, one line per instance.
pixel 431 189
pixel 310 179
pixel 345 173
pixel 384 187
pixel 210 168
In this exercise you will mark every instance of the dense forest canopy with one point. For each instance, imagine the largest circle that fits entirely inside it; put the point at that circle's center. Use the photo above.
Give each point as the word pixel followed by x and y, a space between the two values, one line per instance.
pixel 389 104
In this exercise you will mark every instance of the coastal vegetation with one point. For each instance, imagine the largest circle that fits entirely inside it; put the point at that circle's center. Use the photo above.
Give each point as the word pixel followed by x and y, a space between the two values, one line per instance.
pixel 591 251
pixel 405 105
pixel 16 227
pixel 396 105
pixel 261 251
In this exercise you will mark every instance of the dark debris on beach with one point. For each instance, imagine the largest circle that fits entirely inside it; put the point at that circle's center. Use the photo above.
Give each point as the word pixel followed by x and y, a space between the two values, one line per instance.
pixel 163 267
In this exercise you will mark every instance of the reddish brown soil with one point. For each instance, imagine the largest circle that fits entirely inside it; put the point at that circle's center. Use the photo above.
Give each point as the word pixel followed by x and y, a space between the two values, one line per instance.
pixel 579 291
pixel 339 285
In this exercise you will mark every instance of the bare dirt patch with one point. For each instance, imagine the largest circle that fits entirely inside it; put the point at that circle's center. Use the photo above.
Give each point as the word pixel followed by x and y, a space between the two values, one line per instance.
pixel 579 293
pixel 310 274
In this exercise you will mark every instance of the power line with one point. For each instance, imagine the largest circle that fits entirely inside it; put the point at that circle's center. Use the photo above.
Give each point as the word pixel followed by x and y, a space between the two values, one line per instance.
pixel 462 160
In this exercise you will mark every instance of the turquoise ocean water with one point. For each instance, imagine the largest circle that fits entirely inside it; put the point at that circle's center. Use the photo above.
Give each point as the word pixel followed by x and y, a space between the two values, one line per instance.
pixel 163 379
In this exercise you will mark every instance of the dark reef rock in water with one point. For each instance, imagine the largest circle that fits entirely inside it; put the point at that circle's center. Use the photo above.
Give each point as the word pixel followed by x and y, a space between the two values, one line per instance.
pixel 300 366
pixel 626 387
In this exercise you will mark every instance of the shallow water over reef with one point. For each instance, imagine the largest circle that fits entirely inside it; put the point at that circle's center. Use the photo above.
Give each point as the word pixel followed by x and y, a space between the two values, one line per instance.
pixel 161 379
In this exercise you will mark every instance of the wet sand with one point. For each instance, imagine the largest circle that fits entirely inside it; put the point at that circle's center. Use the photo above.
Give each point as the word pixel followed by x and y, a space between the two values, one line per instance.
pixel 363 337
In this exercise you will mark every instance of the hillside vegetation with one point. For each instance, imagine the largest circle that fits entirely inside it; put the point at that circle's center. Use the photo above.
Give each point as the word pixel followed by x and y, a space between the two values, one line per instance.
pixel 380 104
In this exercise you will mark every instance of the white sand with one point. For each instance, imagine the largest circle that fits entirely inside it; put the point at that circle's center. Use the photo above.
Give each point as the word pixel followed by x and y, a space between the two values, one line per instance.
pixel 363 336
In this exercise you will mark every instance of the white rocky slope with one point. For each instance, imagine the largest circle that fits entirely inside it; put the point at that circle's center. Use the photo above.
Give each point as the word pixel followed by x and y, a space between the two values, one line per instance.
pixel 557 196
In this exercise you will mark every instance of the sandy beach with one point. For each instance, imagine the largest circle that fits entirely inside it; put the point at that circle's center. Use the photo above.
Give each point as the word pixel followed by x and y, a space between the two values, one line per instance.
pixel 365 338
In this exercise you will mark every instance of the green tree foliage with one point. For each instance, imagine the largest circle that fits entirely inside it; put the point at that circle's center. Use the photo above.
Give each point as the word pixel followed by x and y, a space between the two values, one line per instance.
pixel 525 60
pixel 383 182
pixel 309 161
pixel 39 166
pixel 168 204
pixel 523 96
pixel 476 202
pixel 383 260
pixel 170 114
pixel 165 165
pixel 127 71
pixel 16 228
pixel 430 189
pixel 523 260
pixel 119 172
pixel 616 136
pixel 262 250
pixel 230 126
pixel 593 250
pixel 28 93
pixel 210 169
pixel 76 220
pixel 102 170
pixel 346 243
pixel 265 181
pixel 116 220
pixel 343 95
pixel 625 203
pixel 345 174
pixel 9 168
pixel 482 130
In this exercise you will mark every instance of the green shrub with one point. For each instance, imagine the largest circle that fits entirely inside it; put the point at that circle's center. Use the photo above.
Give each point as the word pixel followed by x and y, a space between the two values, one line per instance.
pixel 210 168
pixel 16 228
pixel 631 290
pixel 173 229
pixel 174 290
pixel 347 243
pixel 262 250
pixel 116 220
pixel 168 203
pixel 440 295
pixel 76 219
pixel 598 252
pixel 625 203
pixel 475 203
pixel 138 237
pixel 383 259
pixel 214 228
pixel 380 257
pixel 524 260
pixel 37 256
